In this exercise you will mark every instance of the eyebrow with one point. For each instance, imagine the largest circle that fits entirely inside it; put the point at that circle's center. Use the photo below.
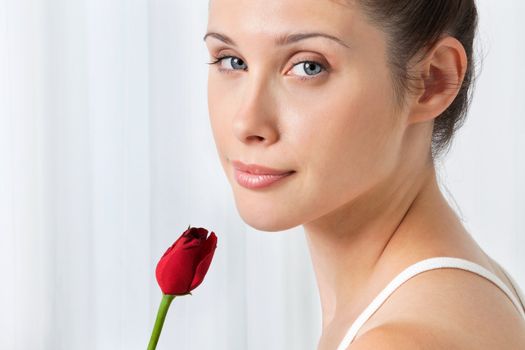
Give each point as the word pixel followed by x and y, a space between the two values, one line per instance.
pixel 282 40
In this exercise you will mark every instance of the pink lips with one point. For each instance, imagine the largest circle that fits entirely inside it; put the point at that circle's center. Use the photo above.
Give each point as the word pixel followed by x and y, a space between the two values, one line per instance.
pixel 257 176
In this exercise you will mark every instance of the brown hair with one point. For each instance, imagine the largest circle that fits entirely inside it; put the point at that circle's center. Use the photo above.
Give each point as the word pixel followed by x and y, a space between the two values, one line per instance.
pixel 413 26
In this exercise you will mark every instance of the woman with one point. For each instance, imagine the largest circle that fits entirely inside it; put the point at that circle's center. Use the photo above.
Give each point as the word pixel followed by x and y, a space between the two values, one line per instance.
pixel 350 103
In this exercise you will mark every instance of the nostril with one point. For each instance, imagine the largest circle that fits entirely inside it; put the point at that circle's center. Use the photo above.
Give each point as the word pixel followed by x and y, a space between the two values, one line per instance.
pixel 260 138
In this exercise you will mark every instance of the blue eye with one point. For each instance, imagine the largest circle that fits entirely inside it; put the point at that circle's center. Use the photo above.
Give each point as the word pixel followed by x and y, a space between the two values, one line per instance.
pixel 234 62
pixel 311 68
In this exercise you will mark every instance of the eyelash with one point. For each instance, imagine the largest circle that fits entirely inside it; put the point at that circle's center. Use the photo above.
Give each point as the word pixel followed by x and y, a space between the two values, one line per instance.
pixel 323 68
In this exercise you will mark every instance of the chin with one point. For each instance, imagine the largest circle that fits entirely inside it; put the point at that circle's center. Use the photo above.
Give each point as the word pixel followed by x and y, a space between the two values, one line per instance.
pixel 265 221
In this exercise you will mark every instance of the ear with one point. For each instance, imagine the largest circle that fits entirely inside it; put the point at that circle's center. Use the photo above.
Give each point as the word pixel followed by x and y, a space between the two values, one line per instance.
pixel 440 76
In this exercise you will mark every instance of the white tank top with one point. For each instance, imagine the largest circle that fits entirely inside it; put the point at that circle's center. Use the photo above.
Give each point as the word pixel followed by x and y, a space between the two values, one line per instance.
pixel 425 265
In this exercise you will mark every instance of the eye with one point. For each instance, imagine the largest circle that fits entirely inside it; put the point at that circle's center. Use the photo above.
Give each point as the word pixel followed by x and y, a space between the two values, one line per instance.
pixel 234 63
pixel 311 68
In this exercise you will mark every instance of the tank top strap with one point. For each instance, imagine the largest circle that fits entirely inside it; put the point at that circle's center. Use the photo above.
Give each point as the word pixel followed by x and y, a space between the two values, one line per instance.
pixel 515 285
pixel 417 268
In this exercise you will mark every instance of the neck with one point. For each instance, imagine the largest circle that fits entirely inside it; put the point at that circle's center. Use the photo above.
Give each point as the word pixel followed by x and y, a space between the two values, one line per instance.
pixel 349 245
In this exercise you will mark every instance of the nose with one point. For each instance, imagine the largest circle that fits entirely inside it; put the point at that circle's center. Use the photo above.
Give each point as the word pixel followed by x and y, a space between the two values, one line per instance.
pixel 255 120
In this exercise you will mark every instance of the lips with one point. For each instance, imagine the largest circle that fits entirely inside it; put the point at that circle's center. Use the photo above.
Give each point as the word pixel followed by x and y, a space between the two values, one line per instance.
pixel 259 169
pixel 255 182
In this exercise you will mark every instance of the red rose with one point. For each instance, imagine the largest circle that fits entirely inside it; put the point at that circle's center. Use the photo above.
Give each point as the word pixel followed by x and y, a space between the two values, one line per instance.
pixel 184 265
pixel 181 269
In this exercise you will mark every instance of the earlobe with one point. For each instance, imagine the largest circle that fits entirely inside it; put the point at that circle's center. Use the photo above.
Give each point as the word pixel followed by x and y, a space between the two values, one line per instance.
pixel 441 76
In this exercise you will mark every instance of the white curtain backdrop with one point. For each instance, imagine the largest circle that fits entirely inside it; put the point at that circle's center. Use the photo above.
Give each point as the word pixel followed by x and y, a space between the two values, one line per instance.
pixel 106 156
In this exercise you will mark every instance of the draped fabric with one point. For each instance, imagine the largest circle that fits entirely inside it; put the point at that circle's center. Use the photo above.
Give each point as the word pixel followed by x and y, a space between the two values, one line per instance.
pixel 106 156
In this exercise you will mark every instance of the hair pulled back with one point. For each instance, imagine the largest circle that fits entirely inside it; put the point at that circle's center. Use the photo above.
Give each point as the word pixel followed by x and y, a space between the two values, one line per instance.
pixel 414 26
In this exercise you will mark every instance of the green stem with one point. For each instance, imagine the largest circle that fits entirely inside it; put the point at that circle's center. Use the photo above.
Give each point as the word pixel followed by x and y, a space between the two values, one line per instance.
pixel 161 315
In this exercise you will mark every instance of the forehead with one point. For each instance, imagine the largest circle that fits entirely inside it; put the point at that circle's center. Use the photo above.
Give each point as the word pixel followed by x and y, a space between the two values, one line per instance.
pixel 269 18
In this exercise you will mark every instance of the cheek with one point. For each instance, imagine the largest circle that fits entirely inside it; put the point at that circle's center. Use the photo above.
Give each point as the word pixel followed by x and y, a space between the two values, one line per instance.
pixel 219 114
pixel 350 140
pixel 224 96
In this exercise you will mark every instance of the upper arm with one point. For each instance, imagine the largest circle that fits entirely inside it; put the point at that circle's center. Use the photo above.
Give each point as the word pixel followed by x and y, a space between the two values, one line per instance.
pixel 397 337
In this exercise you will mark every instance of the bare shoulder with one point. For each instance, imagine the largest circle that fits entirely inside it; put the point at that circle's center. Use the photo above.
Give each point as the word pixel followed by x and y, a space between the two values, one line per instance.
pixel 401 335
pixel 413 336
pixel 444 309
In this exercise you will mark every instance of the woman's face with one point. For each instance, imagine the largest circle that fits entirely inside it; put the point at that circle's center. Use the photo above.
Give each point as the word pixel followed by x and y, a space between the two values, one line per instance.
pixel 332 121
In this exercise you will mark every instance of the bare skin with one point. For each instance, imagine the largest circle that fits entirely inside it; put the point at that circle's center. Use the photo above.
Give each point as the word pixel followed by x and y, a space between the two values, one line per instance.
pixel 364 186
pixel 438 307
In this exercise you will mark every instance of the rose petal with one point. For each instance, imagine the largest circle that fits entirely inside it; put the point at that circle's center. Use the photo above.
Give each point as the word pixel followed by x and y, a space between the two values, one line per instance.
pixel 175 271
pixel 201 270
pixel 208 245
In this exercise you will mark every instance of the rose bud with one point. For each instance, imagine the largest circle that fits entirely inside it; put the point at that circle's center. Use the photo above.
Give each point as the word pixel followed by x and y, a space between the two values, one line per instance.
pixel 181 269
pixel 183 266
